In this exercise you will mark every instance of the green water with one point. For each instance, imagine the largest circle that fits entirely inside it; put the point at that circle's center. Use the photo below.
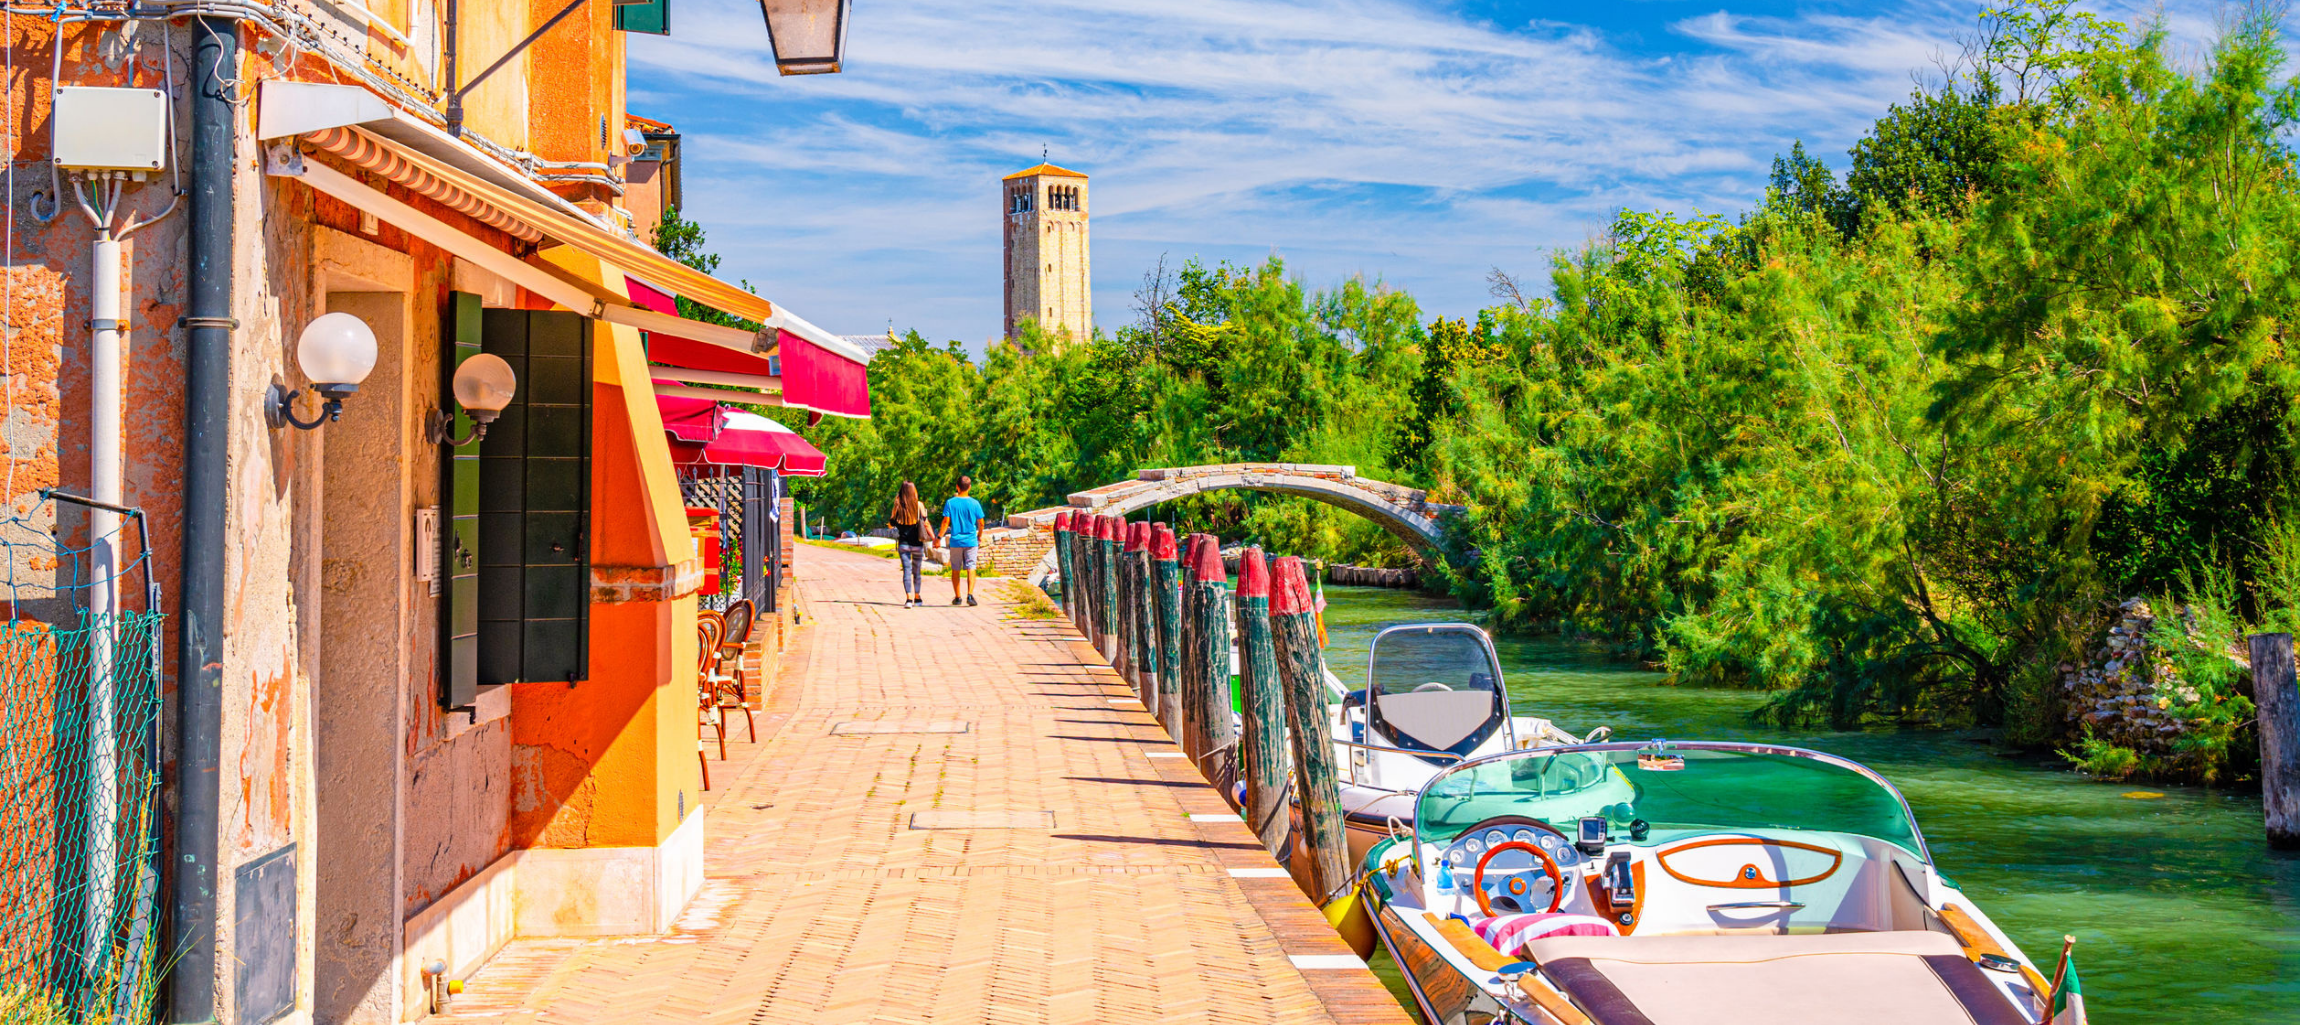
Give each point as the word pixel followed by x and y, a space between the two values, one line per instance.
pixel 2180 912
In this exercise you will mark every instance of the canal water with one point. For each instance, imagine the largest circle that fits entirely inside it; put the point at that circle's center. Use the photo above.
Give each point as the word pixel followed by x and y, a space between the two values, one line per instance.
pixel 2180 912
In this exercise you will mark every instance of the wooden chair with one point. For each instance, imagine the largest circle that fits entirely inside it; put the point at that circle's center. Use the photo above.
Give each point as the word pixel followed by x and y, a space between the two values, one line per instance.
pixel 735 692
pixel 707 630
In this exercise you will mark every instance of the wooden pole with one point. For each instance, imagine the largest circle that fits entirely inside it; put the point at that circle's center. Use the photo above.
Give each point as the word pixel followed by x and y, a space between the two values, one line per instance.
pixel 1062 567
pixel 1130 610
pixel 1262 717
pixel 1122 629
pixel 1141 622
pixel 1106 586
pixel 1192 681
pixel 1082 559
pixel 1217 733
pixel 1319 793
pixel 2277 700
pixel 1166 605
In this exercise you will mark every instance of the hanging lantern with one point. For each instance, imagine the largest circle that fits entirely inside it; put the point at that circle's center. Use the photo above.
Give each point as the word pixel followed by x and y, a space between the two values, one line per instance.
pixel 809 36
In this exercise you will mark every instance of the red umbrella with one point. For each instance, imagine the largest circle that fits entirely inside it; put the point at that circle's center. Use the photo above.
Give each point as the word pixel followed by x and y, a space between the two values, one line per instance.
pixel 708 433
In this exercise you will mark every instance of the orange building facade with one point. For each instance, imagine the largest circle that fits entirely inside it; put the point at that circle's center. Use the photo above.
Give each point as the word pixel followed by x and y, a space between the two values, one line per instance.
pixel 422 697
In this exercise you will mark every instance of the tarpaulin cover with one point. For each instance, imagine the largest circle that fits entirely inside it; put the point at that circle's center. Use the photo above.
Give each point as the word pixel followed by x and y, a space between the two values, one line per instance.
pixel 696 421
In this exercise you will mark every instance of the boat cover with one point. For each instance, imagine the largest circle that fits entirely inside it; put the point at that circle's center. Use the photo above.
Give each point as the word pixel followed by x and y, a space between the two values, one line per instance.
pixel 1910 977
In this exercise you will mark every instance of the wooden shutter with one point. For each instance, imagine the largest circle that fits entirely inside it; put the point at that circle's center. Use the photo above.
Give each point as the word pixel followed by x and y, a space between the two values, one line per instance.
pixel 459 499
pixel 534 502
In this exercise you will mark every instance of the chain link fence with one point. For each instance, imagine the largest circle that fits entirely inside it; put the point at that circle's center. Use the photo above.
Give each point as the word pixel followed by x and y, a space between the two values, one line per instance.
pixel 79 768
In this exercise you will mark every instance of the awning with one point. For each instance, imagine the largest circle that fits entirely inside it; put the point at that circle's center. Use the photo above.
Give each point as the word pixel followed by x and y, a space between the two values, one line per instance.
pixel 705 433
pixel 817 379
pixel 358 127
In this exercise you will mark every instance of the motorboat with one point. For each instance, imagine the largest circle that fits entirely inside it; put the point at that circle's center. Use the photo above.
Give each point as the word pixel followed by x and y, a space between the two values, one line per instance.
pixel 1673 883
pixel 1434 697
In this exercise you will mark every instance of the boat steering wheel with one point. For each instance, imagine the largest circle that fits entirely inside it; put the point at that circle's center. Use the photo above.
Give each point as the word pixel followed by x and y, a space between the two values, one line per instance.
pixel 1517 884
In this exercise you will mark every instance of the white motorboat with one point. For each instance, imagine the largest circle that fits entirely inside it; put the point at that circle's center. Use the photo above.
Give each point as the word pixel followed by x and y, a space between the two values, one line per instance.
pixel 1690 883
pixel 1434 698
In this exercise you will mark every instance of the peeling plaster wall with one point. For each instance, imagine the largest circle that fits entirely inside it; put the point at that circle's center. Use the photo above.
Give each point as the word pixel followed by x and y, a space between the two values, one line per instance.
pixel 322 610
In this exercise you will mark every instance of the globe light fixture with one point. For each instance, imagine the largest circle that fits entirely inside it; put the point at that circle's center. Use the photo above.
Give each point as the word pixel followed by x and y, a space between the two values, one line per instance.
pixel 809 36
pixel 336 352
pixel 484 384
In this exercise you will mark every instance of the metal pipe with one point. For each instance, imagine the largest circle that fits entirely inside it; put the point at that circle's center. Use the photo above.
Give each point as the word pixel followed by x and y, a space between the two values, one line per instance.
pixel 207 401
pixel 104 398
pixel 455 99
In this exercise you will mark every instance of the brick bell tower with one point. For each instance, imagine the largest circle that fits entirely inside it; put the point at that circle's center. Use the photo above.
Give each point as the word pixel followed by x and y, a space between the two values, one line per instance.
pixel 1049 275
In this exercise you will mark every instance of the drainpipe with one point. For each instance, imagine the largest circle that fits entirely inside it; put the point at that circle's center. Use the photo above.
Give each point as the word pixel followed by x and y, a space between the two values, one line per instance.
pixel 105 396
pixel 207 397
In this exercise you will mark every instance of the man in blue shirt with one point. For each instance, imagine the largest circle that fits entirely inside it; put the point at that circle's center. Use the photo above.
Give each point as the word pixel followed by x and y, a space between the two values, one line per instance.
pixel 960 516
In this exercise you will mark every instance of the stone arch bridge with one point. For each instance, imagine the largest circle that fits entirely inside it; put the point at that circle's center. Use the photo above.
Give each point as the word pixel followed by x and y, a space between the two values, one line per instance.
pixel 1403 511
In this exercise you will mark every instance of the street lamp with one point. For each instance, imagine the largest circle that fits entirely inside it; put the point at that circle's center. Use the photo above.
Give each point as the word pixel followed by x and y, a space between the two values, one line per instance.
pixel 484 385
pixel 809 36
pixel 336 351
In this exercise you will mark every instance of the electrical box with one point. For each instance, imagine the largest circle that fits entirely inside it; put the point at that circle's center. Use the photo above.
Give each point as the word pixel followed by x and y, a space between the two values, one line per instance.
pixel 427 547
pixel 101 129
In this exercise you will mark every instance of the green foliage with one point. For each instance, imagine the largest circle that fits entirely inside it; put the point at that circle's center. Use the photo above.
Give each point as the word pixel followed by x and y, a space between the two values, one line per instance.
pixel 1228 364
pixel 2096 757
pixel 1933 156
pixel 1879 446
pixel 683 240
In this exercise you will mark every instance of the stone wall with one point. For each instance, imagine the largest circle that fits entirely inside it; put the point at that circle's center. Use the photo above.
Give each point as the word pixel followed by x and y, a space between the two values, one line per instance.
pixel 2126 691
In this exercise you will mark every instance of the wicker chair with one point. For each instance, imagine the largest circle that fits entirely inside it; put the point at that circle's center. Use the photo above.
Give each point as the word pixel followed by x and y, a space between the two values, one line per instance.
pixel 708 628
pixel 735 687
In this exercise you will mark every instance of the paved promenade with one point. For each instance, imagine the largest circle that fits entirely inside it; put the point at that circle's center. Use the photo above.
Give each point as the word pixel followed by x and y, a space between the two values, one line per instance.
pixel 954 816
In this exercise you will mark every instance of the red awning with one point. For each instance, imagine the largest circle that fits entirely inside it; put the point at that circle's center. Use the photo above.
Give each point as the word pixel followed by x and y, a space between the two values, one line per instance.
pixel 705 433
pixel 814 371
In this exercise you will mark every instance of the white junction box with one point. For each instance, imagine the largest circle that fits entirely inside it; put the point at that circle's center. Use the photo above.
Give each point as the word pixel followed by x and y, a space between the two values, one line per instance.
pixel 102 129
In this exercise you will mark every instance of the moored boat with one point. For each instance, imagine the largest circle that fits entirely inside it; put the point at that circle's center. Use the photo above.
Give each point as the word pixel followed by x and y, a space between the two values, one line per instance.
pixel 1680 883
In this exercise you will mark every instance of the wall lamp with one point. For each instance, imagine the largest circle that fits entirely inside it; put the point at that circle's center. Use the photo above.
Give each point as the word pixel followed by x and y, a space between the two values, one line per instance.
pixel 336 351
pixel 484 385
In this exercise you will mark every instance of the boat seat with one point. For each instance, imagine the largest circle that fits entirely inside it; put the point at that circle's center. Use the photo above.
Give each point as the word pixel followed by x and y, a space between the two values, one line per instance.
pixel 1438 718
pixel 1875 978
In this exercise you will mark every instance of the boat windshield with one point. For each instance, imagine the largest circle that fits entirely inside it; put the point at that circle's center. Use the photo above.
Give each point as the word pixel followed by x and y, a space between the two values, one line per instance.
pixel 1426 659
pixel 1673 788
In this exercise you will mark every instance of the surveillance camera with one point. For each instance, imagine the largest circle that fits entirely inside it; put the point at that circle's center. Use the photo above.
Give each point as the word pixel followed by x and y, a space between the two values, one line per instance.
pixel 634 142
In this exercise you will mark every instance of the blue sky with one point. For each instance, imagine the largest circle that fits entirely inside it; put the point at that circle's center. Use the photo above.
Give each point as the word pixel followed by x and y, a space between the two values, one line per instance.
pixel 1416 143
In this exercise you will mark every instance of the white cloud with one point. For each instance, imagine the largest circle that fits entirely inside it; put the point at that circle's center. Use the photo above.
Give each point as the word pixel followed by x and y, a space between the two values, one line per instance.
pixel 1376 136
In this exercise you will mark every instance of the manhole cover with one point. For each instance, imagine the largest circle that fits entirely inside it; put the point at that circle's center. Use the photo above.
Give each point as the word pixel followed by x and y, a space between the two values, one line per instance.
pixel 860 727
pixel 982 820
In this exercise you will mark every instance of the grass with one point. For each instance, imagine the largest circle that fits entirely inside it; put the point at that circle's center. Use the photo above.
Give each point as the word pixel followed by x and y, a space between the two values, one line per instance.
pixel 883 551
pixel 1028 602
pixel 932 569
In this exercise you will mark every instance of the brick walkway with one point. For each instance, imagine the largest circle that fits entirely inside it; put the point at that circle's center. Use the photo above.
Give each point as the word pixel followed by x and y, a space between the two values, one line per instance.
pixel 955 816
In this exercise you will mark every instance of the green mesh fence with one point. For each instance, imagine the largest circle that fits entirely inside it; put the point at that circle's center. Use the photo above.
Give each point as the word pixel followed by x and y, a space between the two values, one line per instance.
pixel 79 778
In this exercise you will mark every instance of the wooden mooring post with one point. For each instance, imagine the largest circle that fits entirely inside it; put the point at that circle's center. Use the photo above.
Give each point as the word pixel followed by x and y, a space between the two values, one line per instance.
pixel 1106 587
pixel 1319 793
pixel 1082 556
pixel 1192 667
pixel 1141 623
pixel 1062 566
pixel 1166 606
pixel 2276 697
pixel 1210 719
pixel 1123 661
pixel 1262 713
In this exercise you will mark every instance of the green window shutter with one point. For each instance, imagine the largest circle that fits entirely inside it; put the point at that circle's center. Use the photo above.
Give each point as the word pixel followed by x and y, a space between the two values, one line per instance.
pixel 534 502
pixel 459 501
pixel 650 16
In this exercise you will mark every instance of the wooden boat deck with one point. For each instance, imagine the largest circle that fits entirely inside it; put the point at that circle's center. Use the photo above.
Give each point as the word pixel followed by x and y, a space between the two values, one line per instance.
pixel 954 815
